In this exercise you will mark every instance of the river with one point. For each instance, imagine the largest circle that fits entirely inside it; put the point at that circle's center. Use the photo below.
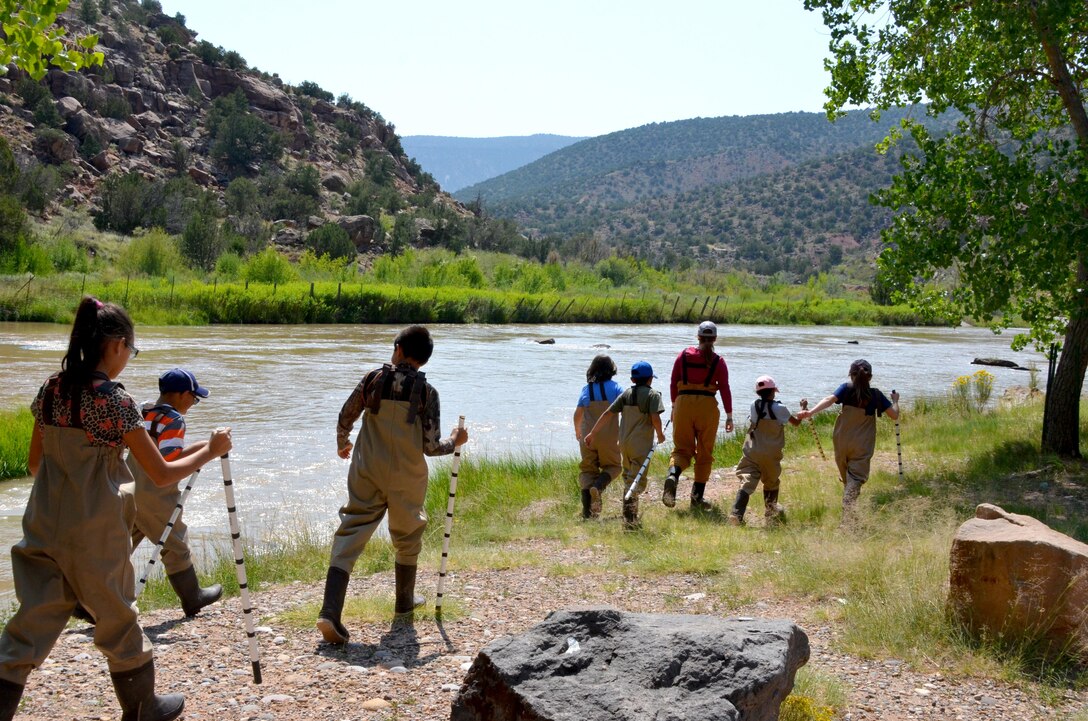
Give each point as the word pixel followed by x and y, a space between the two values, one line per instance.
pixel 281 387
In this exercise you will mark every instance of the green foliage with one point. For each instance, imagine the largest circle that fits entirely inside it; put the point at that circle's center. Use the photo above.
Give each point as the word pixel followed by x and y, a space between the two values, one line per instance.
pixel 269 266
pixel 242 197
pixel 89 11
pixel 37 186
pixel 314 90
pixel 32 92
pixel 240 139
pixel 13 224
pixel 16 428
pixel 331 240
pixel 229 266
pixel 33 41
pixel 124 203
pixel 26 257
pixel 201 241
pixel 304 180
pixel 46 113
pixel 64 255
pixel 154 254
pixel 116 107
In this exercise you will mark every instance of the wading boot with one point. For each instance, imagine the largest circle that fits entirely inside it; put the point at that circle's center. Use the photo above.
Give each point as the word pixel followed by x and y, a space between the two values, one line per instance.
pixel 136 692
pixel 10 693
pixel 587 511
pixel 668 497
pixel 736 514
pixel 82 614
pixel 595 492
pixel 406 599
pixel 630 515
pixel 328 618
pixel 193 597
pixel 697 502
pixel 774 513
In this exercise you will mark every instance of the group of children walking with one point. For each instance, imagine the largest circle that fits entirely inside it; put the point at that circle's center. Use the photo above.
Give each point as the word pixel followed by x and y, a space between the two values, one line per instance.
pixel 699 374
pixel 88 508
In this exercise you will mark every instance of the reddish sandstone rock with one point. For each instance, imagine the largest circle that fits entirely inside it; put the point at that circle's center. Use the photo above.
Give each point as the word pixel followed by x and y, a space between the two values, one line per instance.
pixel 1012 575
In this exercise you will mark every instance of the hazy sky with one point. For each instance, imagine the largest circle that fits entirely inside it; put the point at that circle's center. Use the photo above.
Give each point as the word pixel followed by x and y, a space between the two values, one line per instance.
pixel 483 68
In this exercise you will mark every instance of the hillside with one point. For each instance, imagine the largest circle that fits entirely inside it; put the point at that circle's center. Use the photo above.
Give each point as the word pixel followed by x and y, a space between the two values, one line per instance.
pixel 172 131
pixel 767 193
pixel 459 162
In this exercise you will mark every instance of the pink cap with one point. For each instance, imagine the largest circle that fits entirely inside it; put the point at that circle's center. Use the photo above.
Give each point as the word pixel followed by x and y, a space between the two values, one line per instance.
pixel 765 382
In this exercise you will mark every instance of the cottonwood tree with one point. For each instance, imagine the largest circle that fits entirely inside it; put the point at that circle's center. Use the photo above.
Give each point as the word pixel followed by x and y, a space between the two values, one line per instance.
pixel 33 41
pixel 997 210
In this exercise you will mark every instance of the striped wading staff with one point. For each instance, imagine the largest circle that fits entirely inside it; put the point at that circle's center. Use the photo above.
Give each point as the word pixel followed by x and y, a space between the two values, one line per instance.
pixel 812 425
pixel 165 534
pixel 644 466
pixel 898 447
pixel 449 522
pixel 240 569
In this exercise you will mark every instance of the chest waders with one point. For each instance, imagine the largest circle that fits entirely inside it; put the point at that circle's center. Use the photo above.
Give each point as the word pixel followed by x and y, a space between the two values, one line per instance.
pixel 636 444
pixel 695 430
pixel 388 474
pixel 78 499
pixel 760 461
pixel 602 463
pixel 855 441
pixel 155 506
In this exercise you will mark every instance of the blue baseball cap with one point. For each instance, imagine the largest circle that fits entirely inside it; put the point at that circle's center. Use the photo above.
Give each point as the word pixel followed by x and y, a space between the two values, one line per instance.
pixel 642 370
pixel 179 380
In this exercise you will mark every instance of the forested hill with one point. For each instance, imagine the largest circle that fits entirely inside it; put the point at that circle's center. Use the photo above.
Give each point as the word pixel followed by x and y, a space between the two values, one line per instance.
pixel 742 190
pixel 458 162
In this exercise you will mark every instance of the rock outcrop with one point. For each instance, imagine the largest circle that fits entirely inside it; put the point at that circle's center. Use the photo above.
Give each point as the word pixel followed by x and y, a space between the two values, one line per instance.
pixel 1013 576
pixel 601 663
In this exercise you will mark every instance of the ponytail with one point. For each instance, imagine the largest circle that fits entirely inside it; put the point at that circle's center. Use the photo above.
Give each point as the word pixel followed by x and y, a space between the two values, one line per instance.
pixel 96 322
pixel 861 372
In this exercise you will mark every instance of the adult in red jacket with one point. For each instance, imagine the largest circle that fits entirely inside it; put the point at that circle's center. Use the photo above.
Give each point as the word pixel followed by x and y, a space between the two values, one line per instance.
pixel 697 376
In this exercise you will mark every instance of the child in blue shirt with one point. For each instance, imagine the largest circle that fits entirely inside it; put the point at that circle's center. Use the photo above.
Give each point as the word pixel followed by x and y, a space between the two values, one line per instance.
pixel 601 464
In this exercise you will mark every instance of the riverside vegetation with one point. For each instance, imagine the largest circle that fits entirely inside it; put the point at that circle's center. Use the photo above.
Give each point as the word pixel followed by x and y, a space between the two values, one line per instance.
pixel 881 586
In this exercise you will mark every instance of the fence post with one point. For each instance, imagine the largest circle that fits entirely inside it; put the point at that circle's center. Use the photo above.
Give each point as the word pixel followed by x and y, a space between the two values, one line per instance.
pixel 703 311
pixel 338 292
pixel 127 279
pixel 311 289
pixel 83 286
pixel 172 279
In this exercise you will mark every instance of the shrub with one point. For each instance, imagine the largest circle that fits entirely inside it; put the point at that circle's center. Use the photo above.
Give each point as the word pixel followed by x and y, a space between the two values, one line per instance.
pixel 32 92
pixel 229 266
pixel 268 266
pixel 179 156
pixel 239 138
pixel 234 61
pixel 123 203
pixel 91 146
pixel 38 186
pixel 331 240
pixel 304 180
pixel 13 224
pixel 314 90
pixel 116 107
pixel 105 6
pixel 153 254
pixel 45 113
pixel 171 34
pixel 9 169
pixel 208 53
pixel 151 6
pixel 201 241
pixel 65 255
pixel 26 257
pixel 88 11
pixel 283 204
pixel 242 197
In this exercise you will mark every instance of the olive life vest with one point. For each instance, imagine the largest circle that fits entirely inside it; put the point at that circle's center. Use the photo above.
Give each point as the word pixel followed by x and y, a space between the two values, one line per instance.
pixel 378 385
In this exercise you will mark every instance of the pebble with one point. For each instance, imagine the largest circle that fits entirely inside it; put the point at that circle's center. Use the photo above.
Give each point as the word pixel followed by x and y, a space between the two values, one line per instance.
pixel 277 698
pixel 450 687
pixel 375 704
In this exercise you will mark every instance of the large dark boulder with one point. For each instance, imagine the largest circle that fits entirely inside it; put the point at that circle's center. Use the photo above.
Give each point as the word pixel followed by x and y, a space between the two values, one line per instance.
pixel 601 663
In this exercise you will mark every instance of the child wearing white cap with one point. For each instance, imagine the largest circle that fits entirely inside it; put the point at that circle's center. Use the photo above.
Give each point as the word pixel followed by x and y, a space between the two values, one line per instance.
pixel 761 455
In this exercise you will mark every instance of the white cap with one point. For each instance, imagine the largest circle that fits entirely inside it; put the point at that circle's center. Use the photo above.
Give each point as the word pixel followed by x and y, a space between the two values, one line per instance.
pixel 707 329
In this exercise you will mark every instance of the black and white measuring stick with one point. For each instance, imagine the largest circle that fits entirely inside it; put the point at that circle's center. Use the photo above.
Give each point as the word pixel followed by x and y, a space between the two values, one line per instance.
pixel 165 534
pixel 240 569
pixel 449 520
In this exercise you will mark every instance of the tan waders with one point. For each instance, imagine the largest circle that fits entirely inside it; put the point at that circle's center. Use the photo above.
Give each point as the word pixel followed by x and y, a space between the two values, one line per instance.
pixel 388 472
pixel 760 462
pixel 636 440
pixel 154 506
pixel 855 441
pixel 695 417
pixel 76 548
pixel 602 463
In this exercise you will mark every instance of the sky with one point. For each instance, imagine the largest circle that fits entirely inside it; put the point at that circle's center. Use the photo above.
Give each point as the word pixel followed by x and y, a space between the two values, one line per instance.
pixel 489 68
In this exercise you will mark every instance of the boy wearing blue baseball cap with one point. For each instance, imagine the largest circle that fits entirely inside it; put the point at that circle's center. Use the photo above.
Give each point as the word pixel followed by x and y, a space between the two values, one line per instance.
pixel 165 422
pixel 639 409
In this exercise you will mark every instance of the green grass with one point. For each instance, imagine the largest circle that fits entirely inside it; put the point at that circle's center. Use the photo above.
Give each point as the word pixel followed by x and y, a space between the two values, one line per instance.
pixel 16 428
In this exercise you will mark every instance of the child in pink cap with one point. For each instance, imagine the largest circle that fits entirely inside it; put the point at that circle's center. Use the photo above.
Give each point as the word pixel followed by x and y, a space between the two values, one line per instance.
pixel 761 456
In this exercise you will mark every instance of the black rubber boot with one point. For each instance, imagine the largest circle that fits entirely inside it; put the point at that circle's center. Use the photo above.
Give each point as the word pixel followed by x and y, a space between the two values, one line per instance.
pixel 630 515
pixel 586 504
pixel 328 618
pixel 10 693
pixel 697 502
pixel 136 692
pixel 736 515
pixel 193 597
pixel 82 614
pixel 406 598
pixel 595 492
pixel 668 497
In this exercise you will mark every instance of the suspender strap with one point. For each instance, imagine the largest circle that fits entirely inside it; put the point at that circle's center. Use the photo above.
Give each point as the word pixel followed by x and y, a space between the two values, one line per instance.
pixel 414 397
pixel 387 389
pixel 710 370
pixel 591 398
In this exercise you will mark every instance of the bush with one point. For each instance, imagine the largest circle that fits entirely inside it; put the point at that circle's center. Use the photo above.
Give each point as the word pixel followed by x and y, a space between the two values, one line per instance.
pixel 32 92
pixel 38 186
pixel 268 266
pixel 13 224
pixel 179 156
pixel 26 257
pixel 116 107
pixel 304 180
pixel 151 6
pixel 154 254
pixel 242 197
pixel 88 11
pixel 65 255
pixel 241 140
pixel 201 241
pixel 208 53
pixel 45 113
pixel 229 266
pixel 331 240
pixel 124 201
pixel 314 90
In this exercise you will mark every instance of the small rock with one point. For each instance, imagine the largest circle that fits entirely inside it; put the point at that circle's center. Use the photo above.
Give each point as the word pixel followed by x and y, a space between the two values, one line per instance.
pixel 375 704
pixel 277 698
pixel 450 687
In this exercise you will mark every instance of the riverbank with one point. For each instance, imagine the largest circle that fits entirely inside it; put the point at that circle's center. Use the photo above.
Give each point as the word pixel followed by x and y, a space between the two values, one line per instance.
pixel 162 301
pixel 871 599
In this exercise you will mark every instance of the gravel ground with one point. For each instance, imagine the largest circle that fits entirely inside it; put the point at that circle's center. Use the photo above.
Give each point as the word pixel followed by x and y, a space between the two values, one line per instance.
pixel 385 674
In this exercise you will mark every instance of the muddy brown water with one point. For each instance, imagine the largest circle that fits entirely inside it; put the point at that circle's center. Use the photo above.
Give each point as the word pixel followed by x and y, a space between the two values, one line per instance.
pixel 281 387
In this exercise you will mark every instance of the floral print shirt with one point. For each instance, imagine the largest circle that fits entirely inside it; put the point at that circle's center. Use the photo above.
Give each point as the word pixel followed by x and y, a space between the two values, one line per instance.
pixel 106 411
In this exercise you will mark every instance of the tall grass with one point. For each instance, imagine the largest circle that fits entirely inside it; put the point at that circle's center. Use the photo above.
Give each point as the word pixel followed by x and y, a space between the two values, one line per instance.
pixel 15 430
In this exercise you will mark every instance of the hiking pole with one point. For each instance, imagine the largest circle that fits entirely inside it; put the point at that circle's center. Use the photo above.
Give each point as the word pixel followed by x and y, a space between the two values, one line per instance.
pixel 449 521
pixel 240 569
pixel 157 551
pixel 898 447
pixel 642 469
pixel 812 425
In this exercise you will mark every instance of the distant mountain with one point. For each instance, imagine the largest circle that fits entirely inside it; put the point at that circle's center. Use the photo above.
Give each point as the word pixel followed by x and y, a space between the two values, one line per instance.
pixel 459 162
pixel 765 192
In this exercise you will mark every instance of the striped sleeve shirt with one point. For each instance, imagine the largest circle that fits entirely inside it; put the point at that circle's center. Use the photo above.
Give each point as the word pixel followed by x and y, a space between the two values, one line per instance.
pixel 166 427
